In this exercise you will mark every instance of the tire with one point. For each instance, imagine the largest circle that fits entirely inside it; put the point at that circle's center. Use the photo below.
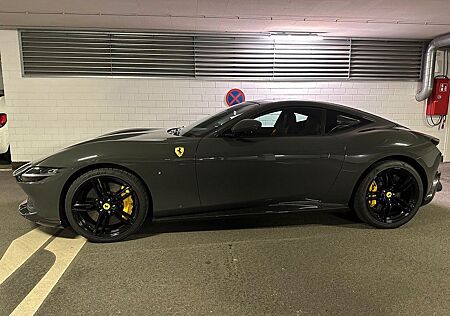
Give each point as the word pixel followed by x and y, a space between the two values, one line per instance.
pixel 375 207
pixel 6 156
pixel 88 196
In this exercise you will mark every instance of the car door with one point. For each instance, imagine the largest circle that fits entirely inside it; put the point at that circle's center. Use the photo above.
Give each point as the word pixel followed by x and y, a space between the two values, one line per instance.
pixel 288 159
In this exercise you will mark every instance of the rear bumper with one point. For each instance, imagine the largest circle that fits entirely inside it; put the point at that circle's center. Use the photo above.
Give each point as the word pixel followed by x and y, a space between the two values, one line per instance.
pixel 4 142
pixel 435 187
pixel 32 215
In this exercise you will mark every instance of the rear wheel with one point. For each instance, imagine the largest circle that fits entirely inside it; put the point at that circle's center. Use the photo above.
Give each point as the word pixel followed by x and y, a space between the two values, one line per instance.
pixel 390 195
pixel 106 205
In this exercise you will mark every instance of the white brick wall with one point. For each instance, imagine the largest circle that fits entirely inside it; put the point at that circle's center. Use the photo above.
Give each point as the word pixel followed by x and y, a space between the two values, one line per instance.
pixel 49 113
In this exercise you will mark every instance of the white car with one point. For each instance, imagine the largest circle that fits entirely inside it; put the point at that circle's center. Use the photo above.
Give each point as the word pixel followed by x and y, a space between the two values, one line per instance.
pixel 4 139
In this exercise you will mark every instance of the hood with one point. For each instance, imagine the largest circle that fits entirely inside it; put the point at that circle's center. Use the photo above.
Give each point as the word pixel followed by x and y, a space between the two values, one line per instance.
pixel 131 134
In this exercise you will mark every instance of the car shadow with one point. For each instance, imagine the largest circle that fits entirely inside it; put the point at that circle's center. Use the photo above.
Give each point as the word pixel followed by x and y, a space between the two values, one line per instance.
pixel 346 219
pixel 432 214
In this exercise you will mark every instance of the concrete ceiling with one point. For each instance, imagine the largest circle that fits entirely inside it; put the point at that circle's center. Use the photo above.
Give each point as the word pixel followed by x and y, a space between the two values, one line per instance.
pixel 360 18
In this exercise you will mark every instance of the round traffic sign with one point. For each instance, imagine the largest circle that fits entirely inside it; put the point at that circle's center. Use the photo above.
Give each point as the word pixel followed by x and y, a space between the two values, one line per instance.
pixel 234 96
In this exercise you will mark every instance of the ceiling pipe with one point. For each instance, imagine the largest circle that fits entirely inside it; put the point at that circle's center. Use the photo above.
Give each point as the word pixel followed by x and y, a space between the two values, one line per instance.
pixel 428 68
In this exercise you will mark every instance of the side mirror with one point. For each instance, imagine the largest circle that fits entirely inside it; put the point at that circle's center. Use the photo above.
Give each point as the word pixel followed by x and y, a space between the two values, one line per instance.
pixel 246 127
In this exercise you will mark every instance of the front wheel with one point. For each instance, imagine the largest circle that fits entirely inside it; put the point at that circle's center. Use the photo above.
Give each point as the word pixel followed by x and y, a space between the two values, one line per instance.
pixel 106 205
pixel 389 195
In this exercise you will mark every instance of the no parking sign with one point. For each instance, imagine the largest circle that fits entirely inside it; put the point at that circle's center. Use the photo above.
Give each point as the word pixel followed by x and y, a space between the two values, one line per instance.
pixel 234 96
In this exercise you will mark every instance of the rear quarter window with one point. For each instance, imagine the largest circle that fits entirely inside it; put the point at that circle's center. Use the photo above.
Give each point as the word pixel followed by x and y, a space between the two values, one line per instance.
pixel 337 122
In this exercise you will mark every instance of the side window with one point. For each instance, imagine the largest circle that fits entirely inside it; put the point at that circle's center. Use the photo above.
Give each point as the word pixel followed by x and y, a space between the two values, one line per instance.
pixel 291 122
pixel 338 121
pixel 300 117
pixel 269 119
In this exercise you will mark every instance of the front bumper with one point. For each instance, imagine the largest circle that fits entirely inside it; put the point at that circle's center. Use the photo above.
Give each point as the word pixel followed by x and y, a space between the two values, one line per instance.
pixel 27 211
pixel 43 204
pixel 435 187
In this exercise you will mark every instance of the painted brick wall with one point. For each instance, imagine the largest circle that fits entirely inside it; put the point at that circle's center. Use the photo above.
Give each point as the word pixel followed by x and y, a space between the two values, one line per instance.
pixel 47 114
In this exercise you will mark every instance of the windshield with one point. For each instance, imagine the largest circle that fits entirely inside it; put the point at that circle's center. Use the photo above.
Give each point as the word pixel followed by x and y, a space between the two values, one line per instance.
pixel 210 123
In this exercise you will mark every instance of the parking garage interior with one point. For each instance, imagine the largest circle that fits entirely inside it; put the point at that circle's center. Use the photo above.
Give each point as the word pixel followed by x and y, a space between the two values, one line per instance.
pixel 71 71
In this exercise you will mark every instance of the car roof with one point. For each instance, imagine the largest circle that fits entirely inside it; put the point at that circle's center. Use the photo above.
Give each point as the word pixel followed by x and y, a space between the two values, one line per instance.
pixel 325 105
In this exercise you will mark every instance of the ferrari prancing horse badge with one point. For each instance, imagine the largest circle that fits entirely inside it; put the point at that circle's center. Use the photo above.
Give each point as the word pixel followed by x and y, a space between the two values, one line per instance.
pixel 179 151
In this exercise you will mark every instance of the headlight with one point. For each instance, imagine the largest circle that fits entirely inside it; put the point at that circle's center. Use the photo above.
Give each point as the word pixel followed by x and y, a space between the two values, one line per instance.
pixel 21 169
pixel 35 174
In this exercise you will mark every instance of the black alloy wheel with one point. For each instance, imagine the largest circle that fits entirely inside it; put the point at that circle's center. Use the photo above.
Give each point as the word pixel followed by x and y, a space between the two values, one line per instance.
pixel 106 205
pixel 390 195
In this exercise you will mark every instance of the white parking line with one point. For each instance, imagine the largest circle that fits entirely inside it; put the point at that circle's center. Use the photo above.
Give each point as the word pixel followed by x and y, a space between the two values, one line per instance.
pixel 65 249
pixel 21 249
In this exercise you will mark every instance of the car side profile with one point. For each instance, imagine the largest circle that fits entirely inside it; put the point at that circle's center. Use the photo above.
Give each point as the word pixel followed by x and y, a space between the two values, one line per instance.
pixel 254 157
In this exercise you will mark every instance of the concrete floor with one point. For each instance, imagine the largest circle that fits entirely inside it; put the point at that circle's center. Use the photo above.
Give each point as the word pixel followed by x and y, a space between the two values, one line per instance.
pixel 308 263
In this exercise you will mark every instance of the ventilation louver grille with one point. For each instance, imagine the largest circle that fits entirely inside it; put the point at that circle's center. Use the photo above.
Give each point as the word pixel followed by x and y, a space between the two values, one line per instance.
pixel 106 54
pixel 385 59
pixel 325 59
pixel 234 57
pixel 216 56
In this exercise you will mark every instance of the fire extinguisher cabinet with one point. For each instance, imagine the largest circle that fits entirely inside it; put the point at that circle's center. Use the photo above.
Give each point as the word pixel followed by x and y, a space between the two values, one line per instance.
pixel 437 103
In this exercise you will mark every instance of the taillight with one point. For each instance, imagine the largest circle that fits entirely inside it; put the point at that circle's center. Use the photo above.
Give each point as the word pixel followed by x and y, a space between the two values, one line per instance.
pixel 3 119
pixel 435 140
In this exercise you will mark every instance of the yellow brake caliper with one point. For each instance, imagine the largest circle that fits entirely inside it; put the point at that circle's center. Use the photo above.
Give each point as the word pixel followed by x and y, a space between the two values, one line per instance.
pixel 373 189
pixel 127 203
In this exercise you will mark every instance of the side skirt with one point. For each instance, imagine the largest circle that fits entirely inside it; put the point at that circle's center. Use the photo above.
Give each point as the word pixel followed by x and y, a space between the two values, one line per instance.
pixel 280 208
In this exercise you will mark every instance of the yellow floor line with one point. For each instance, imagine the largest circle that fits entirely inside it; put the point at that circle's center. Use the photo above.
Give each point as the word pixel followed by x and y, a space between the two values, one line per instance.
pixel 65 250
pixel 21 249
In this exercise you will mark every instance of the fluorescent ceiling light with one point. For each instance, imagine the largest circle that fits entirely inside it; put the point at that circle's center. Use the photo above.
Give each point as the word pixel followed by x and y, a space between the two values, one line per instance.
pixel 295 37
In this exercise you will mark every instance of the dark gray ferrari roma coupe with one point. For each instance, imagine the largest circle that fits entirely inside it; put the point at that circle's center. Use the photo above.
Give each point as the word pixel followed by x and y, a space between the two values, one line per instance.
pixel 255 157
